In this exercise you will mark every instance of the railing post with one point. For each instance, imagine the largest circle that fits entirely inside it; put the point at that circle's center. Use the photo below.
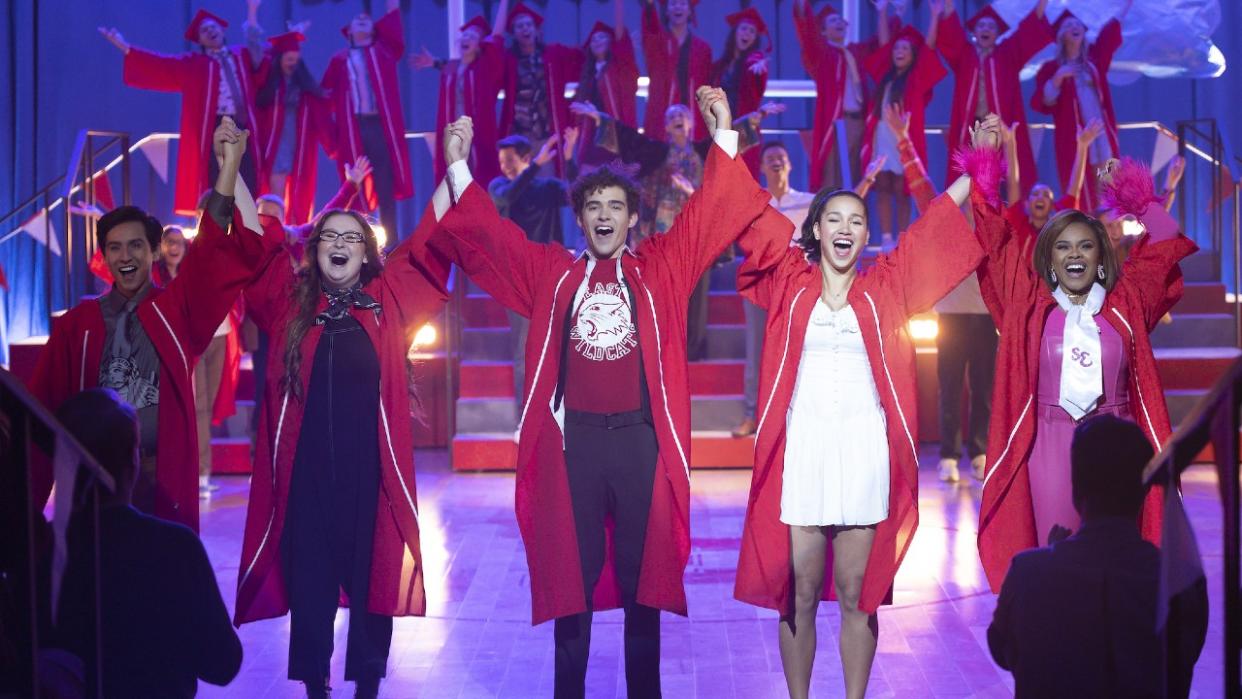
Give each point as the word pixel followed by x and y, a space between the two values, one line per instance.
pixel 125 193
pixel 1237 264
pixel 1181 196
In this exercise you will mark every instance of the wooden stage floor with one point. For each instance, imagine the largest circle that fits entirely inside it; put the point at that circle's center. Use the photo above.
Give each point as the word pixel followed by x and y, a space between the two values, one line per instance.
pixel 477 641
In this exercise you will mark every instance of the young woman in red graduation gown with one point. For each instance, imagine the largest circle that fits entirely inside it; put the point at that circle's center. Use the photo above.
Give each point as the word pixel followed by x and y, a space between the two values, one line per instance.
pixel 332 499
pixel 664 47
pixel 1052 301
pixel 844 440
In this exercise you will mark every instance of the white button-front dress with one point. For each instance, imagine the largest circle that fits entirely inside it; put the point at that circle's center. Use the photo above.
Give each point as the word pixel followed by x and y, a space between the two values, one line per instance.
pixel 836 448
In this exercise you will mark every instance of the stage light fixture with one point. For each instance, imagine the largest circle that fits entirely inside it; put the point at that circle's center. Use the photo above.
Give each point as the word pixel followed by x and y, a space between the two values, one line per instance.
pixel 424 338
pixel 924 328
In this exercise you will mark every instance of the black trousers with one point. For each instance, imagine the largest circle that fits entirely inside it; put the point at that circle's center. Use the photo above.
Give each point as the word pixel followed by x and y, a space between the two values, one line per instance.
pixel 965 347
pixel 375 147
pixel 696 319
pixel 611 472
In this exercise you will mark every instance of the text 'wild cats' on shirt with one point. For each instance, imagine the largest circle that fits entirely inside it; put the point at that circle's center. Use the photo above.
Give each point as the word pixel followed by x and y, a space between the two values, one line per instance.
pixel 603 359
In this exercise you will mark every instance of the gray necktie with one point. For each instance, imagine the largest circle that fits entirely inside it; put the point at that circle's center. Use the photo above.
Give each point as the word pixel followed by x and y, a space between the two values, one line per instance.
pixel 225 59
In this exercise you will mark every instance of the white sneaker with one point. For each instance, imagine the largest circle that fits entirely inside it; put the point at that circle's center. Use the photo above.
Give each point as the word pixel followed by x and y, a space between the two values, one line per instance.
pixel 948 470
pixel 979 466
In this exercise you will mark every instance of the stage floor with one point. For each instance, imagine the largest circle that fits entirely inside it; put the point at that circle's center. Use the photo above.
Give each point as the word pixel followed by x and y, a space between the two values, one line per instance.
pixel 477 641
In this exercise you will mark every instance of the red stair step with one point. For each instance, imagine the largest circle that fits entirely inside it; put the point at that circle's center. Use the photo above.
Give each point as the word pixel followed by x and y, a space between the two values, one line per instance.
pixel 498 451
pixel 717 378
pixel 486 380
pixel 1193 368
pixel 230 455
pixel 1203 297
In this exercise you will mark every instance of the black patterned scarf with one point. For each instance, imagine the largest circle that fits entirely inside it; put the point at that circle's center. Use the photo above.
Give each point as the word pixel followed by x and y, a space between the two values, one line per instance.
pixel 341 300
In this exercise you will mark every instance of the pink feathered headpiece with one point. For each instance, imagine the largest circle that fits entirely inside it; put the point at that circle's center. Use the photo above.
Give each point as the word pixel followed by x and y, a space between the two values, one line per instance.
pixel 1132 188
pixel 985 166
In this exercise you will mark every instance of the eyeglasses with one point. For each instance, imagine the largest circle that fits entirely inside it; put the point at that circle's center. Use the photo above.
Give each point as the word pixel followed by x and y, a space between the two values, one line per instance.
pixel 330 236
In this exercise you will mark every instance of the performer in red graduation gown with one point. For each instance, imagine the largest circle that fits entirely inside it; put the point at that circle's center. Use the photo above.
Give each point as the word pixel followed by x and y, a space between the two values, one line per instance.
pixel 742 69
pixel 1126 303
pixel 294 119
pixel 1073 88
pixel 678 62
pixel 987 73
pixel 609 81
pixel 802 543
pixel 366 105
pixel 213 82
pixel 470 86
pixel 178 320
pixel 836 68
pixel 536 74
pixel 573 570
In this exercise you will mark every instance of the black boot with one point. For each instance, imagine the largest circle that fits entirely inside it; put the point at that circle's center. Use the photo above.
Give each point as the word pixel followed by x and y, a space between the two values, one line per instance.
pixel 318 690
pixel 367 689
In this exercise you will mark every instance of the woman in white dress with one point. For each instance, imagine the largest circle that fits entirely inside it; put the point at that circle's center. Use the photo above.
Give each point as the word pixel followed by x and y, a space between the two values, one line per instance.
pixel 835 453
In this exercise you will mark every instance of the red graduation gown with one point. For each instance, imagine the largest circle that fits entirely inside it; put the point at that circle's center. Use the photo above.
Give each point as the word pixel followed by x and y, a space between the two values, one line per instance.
pixel 827 66
pixel 180 320
pixel 661 51
pixel 618 82
pixel 935 255
pixel 562 65
pixel 197 77
pixel 539 281
pixel 481 82
pixel 411 290
pixel 314 128
pixel 1150 284
pixel 924 74
pixel 1066 116
pixel 1000 80
pixel 383 56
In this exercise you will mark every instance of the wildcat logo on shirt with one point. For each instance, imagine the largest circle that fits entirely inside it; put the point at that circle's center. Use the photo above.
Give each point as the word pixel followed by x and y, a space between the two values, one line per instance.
pixel 603 331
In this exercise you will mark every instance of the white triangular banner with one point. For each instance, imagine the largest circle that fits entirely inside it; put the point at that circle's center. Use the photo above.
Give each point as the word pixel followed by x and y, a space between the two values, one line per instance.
pixel 38 227
pixel 1163 151
pixel 156 151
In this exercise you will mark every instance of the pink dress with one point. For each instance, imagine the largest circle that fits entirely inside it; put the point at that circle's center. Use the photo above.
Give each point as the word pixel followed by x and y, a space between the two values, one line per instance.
pixel 1049 465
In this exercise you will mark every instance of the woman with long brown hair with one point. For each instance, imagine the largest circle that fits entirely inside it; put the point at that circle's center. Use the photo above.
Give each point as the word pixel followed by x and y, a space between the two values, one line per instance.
pixel 1074 342
pixel 332 500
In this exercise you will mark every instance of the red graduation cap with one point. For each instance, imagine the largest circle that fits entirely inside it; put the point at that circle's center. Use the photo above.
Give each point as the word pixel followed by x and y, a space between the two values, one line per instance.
pixel 522 9
pixel 599 26
pixel 1001 25
pixel 289 41
pixel 191 32
pixel 479 23
pixel 909 33
pixel 751 15
pixel 1065 15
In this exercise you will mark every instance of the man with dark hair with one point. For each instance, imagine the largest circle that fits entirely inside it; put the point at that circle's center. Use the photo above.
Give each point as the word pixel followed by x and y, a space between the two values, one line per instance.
pixel 215 82
pixel 143 340
pixel 163 624
pixel 775 165
pixel 1078 618
pixel 534 203
pixel 605 422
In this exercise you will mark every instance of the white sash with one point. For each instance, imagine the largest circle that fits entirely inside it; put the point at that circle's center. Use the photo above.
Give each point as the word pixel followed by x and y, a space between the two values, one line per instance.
pixel 1082 379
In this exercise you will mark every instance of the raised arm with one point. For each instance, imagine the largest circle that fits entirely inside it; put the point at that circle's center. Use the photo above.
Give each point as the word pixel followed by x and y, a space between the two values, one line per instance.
pixel 933 23
pixel 952 42
pixel 1034 32
pixel 765 249
pixel 728 201
pixel 1106 45
pixel 388 30
pixel 1151 277
pixel 491 250
pixel 224 260
pixel 1172 177
pixel 653 34
pixel 416 275
pixel 1013 171
pixel 917 181
pixel 1078 174
pixel 883 30
pixel 814 51
pixel 149 70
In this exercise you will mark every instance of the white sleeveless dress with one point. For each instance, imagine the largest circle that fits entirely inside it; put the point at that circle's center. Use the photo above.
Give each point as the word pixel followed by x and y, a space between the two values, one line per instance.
pixel 836 444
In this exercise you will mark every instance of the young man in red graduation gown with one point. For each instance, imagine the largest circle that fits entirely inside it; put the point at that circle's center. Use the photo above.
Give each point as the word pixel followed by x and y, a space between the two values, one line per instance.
pixel 603 453
pixel 470 86
pixel 986 72
pixel 143 340
pixel 535 77
pixel 678 62
pixel 366 103
pixel 215 82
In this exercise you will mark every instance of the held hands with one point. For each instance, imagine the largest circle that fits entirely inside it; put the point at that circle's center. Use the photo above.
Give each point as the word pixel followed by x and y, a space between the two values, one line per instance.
pixel 457 139
pixel 585 109
pixel 114 37
pixel 898 120
pixel 714 107
pixel 986 133
pixel 229 143
pixel 548 150
pixel 423 59
pixel 358 171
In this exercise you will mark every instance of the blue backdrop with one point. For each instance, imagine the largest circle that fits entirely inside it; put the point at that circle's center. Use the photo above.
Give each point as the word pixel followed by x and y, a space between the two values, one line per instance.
pixel 61 76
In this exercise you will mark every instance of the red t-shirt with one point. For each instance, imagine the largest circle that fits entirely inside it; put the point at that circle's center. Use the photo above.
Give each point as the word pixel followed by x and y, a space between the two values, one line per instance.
pixel 602 371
